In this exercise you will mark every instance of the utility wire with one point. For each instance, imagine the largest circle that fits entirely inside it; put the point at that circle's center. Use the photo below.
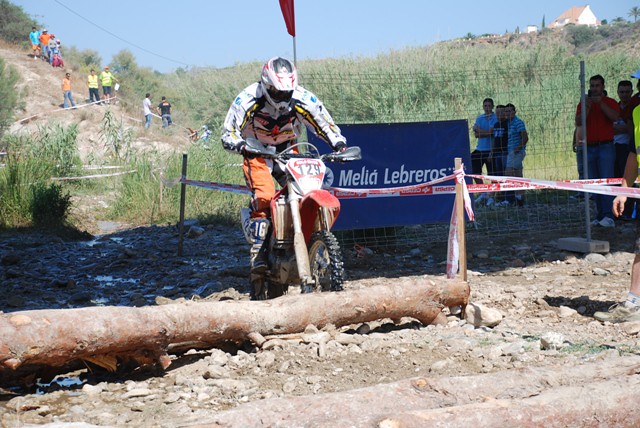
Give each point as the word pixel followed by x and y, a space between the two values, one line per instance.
pixel 118 37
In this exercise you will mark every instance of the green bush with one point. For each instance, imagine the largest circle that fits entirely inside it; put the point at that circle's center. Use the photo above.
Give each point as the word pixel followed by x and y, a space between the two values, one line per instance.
pixel 15 24
pixel 581 35
pixel 49 205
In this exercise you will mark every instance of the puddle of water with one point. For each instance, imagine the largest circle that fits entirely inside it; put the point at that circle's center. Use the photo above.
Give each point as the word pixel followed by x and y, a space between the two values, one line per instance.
pixel 107 227
pixel 106 280
pixel 58 382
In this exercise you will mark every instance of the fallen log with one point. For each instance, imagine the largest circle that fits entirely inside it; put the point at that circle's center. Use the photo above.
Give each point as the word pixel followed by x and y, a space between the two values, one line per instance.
pixel 30 340
pixel 594 394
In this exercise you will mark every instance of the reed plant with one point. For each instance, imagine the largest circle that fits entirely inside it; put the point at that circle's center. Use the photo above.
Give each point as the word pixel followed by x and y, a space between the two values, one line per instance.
pixel 25 181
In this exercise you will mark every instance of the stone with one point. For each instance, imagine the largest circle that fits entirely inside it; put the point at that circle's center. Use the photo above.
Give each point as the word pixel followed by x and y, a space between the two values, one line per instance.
pixel 480 315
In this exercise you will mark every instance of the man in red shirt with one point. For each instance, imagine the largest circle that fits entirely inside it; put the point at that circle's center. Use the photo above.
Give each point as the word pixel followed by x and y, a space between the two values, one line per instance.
pixel 601 112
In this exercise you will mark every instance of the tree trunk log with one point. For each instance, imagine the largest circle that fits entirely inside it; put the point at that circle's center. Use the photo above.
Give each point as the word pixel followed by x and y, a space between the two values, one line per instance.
pixel 54 338
pixel 595 394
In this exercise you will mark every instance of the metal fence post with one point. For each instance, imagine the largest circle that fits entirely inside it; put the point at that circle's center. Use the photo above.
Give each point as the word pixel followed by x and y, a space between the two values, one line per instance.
pixel 183 191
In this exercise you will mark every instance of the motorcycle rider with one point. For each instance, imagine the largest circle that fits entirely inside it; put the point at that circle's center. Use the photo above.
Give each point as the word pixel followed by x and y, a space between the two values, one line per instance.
pixel 271 112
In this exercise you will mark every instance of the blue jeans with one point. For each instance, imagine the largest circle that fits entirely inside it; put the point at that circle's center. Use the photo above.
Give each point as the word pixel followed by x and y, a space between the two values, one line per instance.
pixel 147 122
pixel 94 95
pixel 499 161
pixel 600 163
pixel 68 98
pixel 166 120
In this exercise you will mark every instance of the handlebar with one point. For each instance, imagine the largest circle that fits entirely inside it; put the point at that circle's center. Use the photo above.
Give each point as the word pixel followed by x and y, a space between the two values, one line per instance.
pixel 269 152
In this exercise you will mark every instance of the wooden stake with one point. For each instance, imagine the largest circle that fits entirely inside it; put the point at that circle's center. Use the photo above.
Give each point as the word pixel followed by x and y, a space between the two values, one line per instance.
pixel 462 243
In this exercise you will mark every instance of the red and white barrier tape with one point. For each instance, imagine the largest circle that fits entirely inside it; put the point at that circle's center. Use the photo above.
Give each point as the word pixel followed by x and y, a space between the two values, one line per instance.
pixel 586 186
pixel 500 183
pixel 233 188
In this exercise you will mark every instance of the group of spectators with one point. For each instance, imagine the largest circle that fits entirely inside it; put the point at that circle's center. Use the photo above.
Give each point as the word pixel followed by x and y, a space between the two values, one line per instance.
pixel 502 143
pixel 46 47
pixel 163 109
pixel 106 79
pixel 609 140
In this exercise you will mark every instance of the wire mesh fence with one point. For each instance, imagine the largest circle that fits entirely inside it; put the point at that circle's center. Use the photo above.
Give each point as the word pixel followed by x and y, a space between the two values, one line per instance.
pixel 545 96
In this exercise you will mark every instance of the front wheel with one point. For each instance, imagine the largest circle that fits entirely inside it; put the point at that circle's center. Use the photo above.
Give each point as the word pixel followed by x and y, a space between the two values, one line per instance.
pixel 325 260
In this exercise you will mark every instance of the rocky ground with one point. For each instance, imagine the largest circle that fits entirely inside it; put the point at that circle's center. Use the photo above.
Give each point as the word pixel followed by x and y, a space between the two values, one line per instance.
pixel 546 297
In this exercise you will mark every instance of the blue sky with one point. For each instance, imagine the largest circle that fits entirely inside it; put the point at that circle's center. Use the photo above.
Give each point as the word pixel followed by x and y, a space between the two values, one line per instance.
pixel 166 34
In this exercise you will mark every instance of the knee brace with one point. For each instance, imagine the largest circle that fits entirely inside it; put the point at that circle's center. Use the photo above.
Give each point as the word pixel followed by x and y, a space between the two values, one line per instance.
pixel 255 229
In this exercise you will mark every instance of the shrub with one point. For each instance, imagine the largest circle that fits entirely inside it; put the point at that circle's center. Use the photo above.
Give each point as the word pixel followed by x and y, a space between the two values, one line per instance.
pixel 13 23
pixel 581 35
pixel 49 206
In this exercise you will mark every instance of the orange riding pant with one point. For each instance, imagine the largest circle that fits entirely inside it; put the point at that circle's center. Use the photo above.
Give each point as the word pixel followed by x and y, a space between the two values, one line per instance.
pixel 257 173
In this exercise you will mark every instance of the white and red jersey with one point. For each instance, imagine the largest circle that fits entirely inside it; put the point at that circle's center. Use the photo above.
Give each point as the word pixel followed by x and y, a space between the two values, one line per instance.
pixel 251 116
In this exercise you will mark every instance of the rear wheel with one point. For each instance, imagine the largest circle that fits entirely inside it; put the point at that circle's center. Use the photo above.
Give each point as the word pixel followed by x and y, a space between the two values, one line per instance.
pixel 325 260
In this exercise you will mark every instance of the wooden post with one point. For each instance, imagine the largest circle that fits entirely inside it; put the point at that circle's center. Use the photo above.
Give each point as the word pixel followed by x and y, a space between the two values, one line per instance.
pixel 183 191
pixel 462 244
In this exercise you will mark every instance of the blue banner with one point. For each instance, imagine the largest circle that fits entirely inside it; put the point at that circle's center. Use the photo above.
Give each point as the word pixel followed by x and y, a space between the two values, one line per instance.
pixel 395 155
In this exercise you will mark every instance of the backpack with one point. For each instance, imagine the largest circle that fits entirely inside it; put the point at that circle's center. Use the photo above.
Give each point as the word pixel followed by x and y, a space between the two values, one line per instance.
pixel 56 61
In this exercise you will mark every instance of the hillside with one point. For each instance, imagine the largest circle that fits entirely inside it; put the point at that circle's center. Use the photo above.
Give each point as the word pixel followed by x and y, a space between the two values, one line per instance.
pixel 40 85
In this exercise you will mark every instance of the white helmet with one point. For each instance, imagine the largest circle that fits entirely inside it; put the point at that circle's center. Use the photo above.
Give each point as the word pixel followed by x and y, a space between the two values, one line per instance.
pixel 279 79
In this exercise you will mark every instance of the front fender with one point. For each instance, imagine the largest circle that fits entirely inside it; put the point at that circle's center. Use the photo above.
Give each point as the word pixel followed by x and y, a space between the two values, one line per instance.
pixel 310 208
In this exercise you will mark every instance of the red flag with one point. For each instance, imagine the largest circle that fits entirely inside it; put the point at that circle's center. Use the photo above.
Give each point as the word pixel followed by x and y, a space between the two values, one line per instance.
pixel 289 16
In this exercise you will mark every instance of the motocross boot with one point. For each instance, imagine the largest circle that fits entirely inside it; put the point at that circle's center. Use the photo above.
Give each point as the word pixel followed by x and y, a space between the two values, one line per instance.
pixel 256 232
pixel 258 259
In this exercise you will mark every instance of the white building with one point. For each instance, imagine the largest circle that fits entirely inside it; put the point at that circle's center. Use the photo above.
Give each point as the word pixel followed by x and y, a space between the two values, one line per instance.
pixel 576 15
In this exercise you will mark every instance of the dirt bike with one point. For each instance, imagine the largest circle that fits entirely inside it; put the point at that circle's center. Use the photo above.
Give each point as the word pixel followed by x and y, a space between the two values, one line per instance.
pixel 300 247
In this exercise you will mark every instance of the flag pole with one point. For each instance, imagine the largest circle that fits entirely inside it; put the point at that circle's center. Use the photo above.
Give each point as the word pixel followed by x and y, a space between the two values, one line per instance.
pixel 295 62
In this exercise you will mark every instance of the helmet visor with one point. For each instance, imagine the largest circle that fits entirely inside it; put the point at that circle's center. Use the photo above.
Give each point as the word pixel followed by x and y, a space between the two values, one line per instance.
pixel 279 96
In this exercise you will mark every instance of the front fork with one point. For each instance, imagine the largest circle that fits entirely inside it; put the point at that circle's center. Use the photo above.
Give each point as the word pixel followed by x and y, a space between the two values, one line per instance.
pixel 300 247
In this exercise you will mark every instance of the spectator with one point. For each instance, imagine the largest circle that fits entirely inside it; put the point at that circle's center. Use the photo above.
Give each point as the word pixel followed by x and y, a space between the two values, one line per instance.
pixel 34 37
pixel 622 140
pixel 483 130
pixel 146 108
pixel 629 310
pixel 56 54
pixel 92 84
pixel 164 108
pixel 601 112
pixel 517 150
pixel 66 90
pixel 44 44
pixel 499 149
pixel 53 47
pixel 107 79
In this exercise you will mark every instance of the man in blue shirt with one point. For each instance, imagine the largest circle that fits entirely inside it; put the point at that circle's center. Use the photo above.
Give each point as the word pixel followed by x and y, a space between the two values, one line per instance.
pixel 34 37
pixel 483 130
pixel 516 147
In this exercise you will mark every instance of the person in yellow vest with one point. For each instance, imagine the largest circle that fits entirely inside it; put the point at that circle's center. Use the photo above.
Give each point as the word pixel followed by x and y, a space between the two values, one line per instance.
pixel 92 84
pixel 628 310
pixel 107 79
